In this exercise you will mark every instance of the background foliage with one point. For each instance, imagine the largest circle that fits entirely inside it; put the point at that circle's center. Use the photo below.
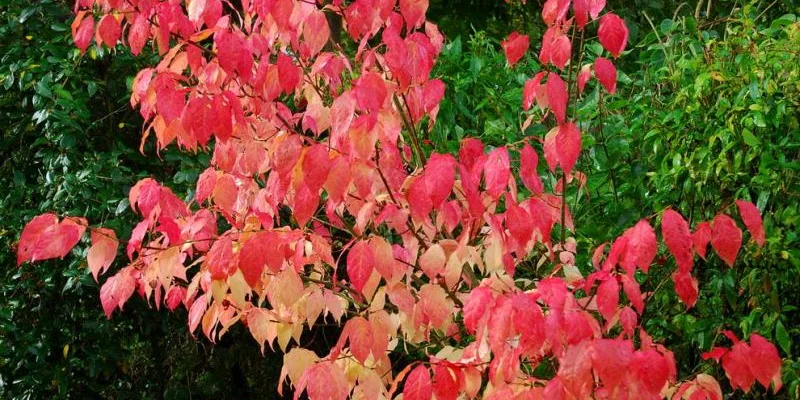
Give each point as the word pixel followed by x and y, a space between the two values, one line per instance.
pixel 707 112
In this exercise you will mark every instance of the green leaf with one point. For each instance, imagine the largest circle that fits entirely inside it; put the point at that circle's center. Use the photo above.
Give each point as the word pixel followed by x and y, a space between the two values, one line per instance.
pixel 782 337
pixel 750 139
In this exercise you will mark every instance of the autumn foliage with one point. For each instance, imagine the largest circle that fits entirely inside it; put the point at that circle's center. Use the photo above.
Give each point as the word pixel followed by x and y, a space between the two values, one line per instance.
pixel 322 205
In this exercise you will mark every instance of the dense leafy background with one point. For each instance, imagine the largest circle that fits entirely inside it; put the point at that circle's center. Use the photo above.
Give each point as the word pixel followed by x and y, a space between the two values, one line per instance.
pixel 707 112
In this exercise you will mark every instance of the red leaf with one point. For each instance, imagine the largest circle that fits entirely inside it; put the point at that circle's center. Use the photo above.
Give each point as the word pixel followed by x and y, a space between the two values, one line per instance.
pixel 359 332
pixel 686 287
pixel 360 261
pixel 613 34
pixel 530 89
pixel 31 233
pixel 103 250
pixel 736 364
pixel 370 91
pixel 608 297
pixel 568 146
pixel 583 77
pixel 445 384
pixel 700 238
pixel 678 238
pixel 433 260
pixel 480 299
pixel 83 30
pixel 109 30
pixel 413 12
pixel 117 290
pixel 610 359
pixel 220 257
pixel 288 72
pixel 554 11
pixel 137 33
pixel 497 171
pixel 556 48
pixel 752 220
pixel 726 238
pixel 595 7
pixel 581 10
pixel 529 160
pixel 557 96
pixel 316 32
pixel 716 353
pixel 765 362
pixel 175 297
pixel 440 176
pixel 606 73
pixel 550 152
pixel 205 185
pixel 515 47
pixel 641 248
pixel 57 240
pixel 254 255
pixel 652 370
pixel 418 384
pixel 519 223
pixel 633 291
pixel 385 263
